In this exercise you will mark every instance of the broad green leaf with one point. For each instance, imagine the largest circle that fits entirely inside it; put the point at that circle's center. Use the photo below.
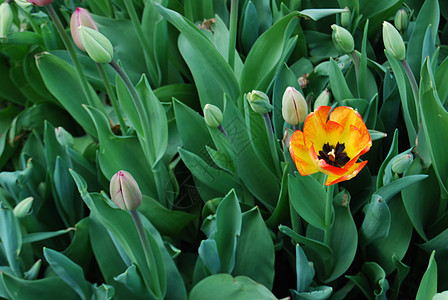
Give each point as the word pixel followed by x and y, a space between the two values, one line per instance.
pixel 133 281
pixel 102 292
pixel 339 86
pixel 11 237
pixel 434 117
pixel 70 272
pixel 224 287
pixel 228 228
pixel 402 272
pixel 208 253
pixel 428 285
pixel 376 224
pixel 388 191
pixel 378 11
pixel 308 199
pixel 372 281
pixel 315 293
pixel 40 236
pixel 441 76
pixel 249 31
pixel 255 254
pixel 304 271
pixel 265 55
pixel 316 14
pixel 282 209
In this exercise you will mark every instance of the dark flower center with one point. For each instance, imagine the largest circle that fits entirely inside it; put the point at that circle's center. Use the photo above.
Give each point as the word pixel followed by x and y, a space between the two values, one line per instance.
pixel 334 156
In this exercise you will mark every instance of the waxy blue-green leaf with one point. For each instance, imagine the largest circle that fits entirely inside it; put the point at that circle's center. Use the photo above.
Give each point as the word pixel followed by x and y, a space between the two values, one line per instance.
pixel 388 191
pixel 249 30
pixel 133 281
pixel 305 271
pixel 428 285
pixel 208 253
pixel 208 67
pixel 68 271
pixel 377 11
pixel 317 14
pixel 376 224
pixel 441 76
pixel 265 55
pixel 339 86
pixel 11 237
pixel 40 236
pixel 371 281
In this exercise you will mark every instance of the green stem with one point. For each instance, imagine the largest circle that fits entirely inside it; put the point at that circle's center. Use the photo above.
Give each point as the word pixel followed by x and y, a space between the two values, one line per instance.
pixel 414 86
pixel 272 140
pixel 112 97
pixel 71 50
pixel 148 252
pixel 328 214
pixel 356 63
pixel 155 76
pixel 232 32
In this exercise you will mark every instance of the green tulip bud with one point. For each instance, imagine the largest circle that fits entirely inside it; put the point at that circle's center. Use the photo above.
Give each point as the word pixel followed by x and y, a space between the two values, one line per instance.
pixel 441 296
pixel 342 39
pixel 259 102
pixel 98 47
pixel 294 107
pixel 345 17
pixel 401 20
pixel 401 162
pixel 323 99
pixel 24 207
pixel 393 42
pixel 212 115
pixel 124 191
pixel 6 18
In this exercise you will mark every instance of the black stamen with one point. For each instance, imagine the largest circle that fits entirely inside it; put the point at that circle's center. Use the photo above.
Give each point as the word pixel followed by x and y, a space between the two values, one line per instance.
pixel 340 157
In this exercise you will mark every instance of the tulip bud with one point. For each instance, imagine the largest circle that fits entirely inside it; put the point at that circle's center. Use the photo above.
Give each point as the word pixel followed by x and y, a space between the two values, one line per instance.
pixel 342 39
pixel 23 208
pixel 393 42
pixel 6 18
pixel 401 20
pixel 40 2
pixel 124 191
pixel 345 17
pixel 64 137
pixel 80 17
pixel 440 296
pixel 322 100
pixel 98 47
pixel 212 115
pixel 401 162
pixel 294 107
pixel 259 102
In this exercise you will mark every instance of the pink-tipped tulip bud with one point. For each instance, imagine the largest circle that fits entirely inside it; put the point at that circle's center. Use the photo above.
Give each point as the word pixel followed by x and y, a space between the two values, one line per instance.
pixel 40 2
pixel 294 107
pixel 80 17
pixel 124 191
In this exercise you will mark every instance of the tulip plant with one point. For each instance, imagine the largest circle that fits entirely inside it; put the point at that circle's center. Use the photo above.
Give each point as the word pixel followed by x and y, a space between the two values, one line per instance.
pixel 223 149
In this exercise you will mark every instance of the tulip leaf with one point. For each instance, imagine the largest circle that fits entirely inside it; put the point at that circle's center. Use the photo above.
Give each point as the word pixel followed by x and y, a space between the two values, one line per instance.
pixel 305 271
pixel 371 281
pixel 208 253
pixel 255 254
pixel 317 14
pixel 388 191
pixel 11 237
pixel 265 55
pixel 308 199
pixel 249 31
pixel 69 271
pixel 224 286
pixel 434 117
pixel 428 285
pixel 441 76
pixel 378 11
pixel 339 86
pixel 376 224
pixel 40 236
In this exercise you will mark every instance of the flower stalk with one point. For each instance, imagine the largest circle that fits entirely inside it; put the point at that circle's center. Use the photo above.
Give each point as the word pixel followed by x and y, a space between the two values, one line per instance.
pixel 328 214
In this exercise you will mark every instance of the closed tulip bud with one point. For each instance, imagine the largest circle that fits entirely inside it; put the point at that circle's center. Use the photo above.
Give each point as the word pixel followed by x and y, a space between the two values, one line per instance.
pixel 40 2
pixel 393 42
pixel 440 296
pixel 401 162
pixel 342 39
pixel 401 20
pixel 98 47
pixel 345 17
pixel 124 191
pixel 323 99
pixel 294 107
pixel 259 102
pixel 24 207
pixel 212 115
pixel 80 17
pixel 5 19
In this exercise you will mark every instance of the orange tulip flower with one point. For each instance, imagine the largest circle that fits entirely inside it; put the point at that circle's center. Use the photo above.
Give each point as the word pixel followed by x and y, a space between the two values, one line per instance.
pixel 331 144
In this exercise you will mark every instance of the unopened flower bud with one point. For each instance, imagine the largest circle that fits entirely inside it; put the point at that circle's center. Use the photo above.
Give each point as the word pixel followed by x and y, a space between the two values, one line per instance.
pixel 6 18
pixel 124 191
pixel 98 47
pixel 401 162
pixel 259 102
pixel 294 107
pixel 40 2
pixel 401 20
pixel 393 42
pixel 80 17
pixel 24 207
pixel 345 17
pixel 323 99
pixel 441 296
pixel 212 115
pixel 64 137
pixel 342 39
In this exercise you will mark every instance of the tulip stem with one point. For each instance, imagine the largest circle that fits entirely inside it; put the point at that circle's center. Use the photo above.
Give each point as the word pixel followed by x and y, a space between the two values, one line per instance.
pixel 150 260
pixel 113 98
pixel 272 140
pixel 414 86
pixel 232 32
pixel 71 51
pixel 328 214
pixel 154 77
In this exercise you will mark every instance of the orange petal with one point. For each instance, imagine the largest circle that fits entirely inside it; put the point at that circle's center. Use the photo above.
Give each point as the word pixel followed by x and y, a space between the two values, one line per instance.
pixel 301 155
pixel 352 172
pixel 315 126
